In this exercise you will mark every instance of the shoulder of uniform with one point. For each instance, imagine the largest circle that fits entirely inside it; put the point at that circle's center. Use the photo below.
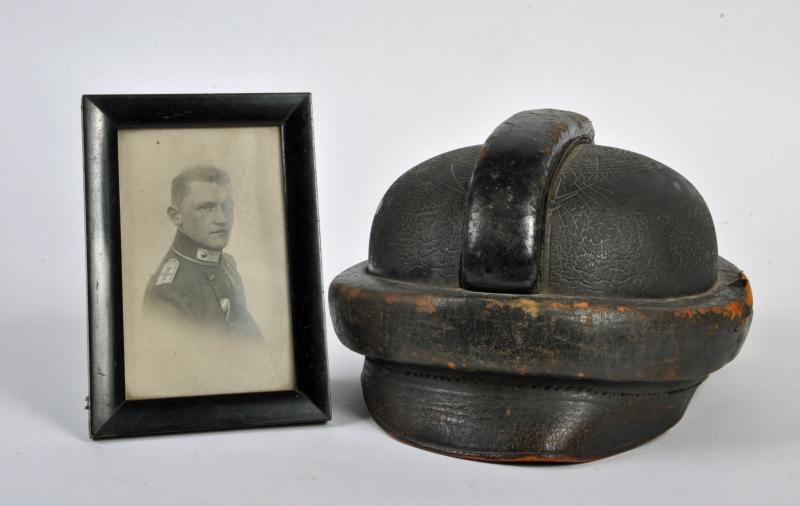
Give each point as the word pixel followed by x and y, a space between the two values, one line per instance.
pixel 172 282
pixel 167 271
pixel 229 258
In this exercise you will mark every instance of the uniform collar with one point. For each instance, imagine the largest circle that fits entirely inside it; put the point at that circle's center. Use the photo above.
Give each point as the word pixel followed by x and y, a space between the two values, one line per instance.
pixel 186 248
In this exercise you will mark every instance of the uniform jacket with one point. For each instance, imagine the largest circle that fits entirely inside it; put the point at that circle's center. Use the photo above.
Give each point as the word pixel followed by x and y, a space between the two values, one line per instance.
pixel 202 287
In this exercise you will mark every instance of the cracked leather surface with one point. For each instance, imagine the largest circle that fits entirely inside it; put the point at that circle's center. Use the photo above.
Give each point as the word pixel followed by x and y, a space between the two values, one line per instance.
pixel 622 224
pixel 417 231
pixel 617 223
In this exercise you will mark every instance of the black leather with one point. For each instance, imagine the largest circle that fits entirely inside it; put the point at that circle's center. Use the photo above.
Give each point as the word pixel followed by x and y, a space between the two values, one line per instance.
pixel 417 230
pixel 617 223
pixel 507 195
pixel 622 224
pixel 537 299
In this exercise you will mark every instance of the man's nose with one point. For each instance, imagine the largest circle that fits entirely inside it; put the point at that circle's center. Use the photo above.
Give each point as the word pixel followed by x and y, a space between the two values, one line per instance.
pixel 219 216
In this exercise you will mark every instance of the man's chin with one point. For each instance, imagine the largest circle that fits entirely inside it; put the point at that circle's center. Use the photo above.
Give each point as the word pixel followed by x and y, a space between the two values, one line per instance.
pixel 216 243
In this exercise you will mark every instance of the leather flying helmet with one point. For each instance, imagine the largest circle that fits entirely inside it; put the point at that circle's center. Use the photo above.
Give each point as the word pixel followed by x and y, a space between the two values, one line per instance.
pixel 539 298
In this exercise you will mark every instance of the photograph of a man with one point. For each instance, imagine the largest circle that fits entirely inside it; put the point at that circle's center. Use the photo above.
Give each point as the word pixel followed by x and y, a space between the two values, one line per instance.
pixel 197 282
pixel 196 321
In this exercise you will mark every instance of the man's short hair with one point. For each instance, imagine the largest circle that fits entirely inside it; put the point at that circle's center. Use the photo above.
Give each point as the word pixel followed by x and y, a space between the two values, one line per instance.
pixel 205 173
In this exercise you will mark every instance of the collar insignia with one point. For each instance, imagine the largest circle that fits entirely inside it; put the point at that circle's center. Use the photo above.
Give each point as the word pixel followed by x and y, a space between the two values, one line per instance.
pixel 205 255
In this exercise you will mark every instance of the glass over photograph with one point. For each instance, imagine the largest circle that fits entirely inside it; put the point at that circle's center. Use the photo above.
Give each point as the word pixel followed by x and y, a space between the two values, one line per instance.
pixel 206 306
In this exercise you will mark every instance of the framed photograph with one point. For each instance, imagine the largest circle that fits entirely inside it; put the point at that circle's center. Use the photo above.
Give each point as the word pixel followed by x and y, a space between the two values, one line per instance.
pixel 204 283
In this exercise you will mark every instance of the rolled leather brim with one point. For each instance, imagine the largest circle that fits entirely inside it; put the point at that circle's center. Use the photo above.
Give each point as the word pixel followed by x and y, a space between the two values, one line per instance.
pixel 533 378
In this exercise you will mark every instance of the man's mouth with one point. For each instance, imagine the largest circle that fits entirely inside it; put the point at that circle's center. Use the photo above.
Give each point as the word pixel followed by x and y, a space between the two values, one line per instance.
pixel 219 232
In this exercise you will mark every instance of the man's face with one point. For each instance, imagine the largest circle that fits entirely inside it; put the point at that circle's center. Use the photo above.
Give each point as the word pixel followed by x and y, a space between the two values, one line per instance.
pixel 205 214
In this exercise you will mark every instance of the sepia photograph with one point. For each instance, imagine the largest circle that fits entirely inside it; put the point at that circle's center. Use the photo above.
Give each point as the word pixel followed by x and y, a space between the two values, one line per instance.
pixel 203 263
pixel 202 234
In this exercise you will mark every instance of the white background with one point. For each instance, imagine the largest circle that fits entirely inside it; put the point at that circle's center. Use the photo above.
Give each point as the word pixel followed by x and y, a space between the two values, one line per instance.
pixel 711 90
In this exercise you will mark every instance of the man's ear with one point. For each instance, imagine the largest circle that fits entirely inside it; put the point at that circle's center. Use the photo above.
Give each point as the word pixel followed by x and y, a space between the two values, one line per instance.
pixel 174 216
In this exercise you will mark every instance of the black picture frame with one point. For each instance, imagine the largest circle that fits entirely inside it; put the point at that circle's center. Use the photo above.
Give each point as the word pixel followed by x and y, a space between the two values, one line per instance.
pixel 111 415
